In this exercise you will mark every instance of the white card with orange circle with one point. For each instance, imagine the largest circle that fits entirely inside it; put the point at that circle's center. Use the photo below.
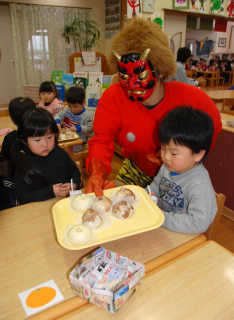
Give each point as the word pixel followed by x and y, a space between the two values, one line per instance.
pixel 40 297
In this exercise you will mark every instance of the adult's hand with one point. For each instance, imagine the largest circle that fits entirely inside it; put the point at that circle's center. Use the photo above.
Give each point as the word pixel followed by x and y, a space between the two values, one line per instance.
pixel 98 178
pixel 155 158
pixel 201 82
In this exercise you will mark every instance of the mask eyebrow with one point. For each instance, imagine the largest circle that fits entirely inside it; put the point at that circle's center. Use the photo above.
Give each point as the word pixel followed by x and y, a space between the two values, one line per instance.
pixel 139 69
pixel 122 70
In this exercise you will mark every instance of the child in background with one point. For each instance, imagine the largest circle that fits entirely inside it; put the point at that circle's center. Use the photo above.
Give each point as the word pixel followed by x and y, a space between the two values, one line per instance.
pixel 17 107
pixel 43 170
pixel 75 117
pixel 50 99
pixel 204 65
pixel 212 65
pixel 182 186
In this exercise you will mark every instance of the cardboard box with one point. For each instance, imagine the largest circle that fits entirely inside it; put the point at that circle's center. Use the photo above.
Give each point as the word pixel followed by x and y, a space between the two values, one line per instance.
pixel 106 279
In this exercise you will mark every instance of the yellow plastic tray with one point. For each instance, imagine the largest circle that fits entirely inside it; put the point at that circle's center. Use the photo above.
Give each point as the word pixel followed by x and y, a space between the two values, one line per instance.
pixel 147 216
pixel 63 140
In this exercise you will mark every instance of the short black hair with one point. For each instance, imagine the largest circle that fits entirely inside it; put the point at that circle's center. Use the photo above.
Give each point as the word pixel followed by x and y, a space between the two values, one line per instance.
pixel 18 106
pixel 187 127
pixel 75 95
pixel 183 54
pixel 49 86
pixel 194 63
pixel 35 123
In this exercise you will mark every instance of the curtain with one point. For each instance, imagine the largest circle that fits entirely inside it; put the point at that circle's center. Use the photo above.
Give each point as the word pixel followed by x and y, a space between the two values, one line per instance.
pixel 38 45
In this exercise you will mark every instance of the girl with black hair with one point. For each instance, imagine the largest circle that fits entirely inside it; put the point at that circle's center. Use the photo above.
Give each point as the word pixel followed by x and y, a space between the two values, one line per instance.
pixel 50 99
pixel 43 170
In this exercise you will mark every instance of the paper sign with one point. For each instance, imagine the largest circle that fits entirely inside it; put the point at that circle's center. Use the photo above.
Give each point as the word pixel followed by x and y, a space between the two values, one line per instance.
pixel 89 57
pixel 40 297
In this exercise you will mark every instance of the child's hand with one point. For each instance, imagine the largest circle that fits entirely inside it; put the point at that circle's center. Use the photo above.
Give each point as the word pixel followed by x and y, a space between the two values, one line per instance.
pixel 59 126
pixel 67 187
pixel 60 190
pixel 73 128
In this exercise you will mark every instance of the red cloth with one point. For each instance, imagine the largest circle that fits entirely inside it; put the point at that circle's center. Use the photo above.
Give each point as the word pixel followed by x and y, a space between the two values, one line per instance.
pixel 220 25
pixel 116 116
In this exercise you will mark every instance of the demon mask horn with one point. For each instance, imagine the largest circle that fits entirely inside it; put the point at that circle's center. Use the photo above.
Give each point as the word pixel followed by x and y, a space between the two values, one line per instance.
pixel 117 56
pixel 144 55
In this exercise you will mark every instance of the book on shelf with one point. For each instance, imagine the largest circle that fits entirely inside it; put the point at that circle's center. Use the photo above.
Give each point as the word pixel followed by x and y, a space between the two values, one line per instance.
pixel 106 82
pixel 67 78
pixel 61 91
pixel 93 95
pixel 80 79
pixel 57 77
pixel 95 79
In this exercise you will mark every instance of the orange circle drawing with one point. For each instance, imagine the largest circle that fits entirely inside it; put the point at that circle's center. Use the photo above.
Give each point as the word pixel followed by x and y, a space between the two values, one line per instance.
pixel 39 297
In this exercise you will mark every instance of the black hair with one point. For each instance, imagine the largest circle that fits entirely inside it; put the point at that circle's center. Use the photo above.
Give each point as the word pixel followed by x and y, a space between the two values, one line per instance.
pixel 18 106
pixel 183 54
pixel 187 127
pixel 211 62
pixel 33 123
pixel 75 95
pixel 49 86
pixel 194 63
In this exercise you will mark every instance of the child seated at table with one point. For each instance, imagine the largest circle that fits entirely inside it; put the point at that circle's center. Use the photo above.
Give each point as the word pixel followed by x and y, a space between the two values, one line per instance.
pixel 17 107
pixel 183 187
pixel 50 99
pixel 75 117
pixel 43 170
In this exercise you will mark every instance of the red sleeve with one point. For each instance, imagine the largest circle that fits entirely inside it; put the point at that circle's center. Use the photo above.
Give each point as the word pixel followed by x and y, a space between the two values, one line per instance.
pixel 106 125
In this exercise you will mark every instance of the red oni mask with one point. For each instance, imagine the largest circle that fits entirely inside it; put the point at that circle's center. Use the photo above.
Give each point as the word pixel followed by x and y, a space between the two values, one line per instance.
pixel 136 75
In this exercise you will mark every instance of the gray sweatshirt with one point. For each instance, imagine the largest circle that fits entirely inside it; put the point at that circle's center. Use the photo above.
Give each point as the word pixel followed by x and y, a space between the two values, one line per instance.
pixel 83 121
pixel 187 200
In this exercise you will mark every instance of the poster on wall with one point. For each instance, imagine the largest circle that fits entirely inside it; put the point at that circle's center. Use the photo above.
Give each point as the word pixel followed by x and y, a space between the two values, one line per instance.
pixel 180 4
pixel 198 5
pixel 230 8
pixel 134 9
pixel 217 7
pixel 159 19
pixel 112 17
pixel 204 47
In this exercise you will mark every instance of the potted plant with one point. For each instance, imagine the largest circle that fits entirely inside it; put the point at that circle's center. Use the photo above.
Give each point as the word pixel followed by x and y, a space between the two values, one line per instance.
pixel 85 33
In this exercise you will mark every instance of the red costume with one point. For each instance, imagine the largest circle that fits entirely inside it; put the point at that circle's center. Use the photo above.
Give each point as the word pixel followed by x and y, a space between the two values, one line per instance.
pixel 135 127
pixel 131 111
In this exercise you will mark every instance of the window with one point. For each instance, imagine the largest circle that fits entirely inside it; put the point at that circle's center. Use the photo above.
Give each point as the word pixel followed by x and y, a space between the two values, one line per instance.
pixel 38 48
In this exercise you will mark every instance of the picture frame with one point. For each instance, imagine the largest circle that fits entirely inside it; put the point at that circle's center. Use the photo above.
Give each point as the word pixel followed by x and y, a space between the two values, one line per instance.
pixel 180 4
pixel 222 42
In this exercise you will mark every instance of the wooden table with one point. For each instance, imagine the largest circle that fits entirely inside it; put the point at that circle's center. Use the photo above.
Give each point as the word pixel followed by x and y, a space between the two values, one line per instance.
pixel 219 95
pixel 31 255
pixel 197 285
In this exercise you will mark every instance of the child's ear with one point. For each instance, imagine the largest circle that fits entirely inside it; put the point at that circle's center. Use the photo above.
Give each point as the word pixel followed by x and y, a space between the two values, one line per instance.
pixel 84 103
pixel 200 155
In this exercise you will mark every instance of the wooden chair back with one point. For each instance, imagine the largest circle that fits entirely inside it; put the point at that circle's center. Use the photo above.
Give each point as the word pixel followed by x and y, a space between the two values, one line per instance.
pixel 227 103
pixel 81 174
pixel 220 80
pixel 213 228
pixel 82 155
pixel 213 79
pixel 189 73
pixel 4 112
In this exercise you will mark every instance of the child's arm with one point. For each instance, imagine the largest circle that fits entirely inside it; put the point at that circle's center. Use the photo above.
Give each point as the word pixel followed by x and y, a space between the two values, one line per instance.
pixel 154 186
pixel 200 212
pixel 26 193
pixel 86 125
pixel 59 117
